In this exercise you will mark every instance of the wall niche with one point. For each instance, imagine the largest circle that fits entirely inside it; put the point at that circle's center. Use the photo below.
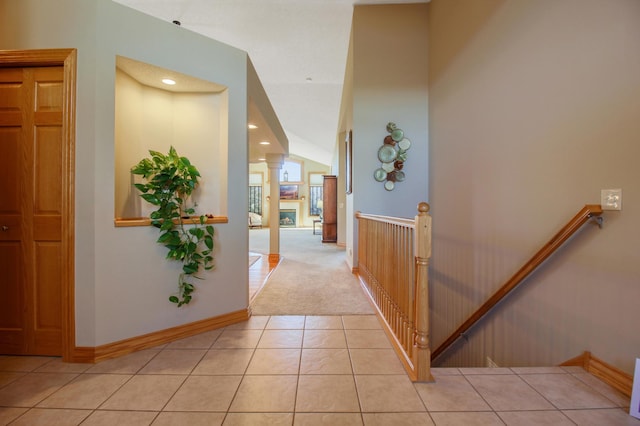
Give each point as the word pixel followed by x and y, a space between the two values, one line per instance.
pixel 191 115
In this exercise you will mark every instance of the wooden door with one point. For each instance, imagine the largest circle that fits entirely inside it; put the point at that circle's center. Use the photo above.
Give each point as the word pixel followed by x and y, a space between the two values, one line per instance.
pixel 31 210
pixel 329 210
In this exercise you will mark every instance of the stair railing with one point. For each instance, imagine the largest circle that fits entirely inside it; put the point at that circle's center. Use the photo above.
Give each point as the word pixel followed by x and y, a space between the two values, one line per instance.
pixel 393 263
pixel 587 212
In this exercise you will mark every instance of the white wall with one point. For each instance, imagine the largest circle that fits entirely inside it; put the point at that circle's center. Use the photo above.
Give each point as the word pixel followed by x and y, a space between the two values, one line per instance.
pixel 389 85
pixel 122 280
pixel 533 110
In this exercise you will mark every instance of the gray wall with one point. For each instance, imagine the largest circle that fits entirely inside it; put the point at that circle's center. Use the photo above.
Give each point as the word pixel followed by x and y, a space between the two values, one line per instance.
pixel 122 280
pixel 534 108
pixel 389 53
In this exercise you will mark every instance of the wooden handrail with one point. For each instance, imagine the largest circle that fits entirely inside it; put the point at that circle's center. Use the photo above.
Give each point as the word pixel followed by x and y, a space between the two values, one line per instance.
pixel 547 250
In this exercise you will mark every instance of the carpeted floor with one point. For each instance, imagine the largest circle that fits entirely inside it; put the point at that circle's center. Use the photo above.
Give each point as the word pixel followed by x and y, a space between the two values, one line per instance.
pixel 312 279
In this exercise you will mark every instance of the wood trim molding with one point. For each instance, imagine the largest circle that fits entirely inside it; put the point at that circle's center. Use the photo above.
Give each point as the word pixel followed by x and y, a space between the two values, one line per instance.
pixel 85 354
pixel 609 374
pixel 145 221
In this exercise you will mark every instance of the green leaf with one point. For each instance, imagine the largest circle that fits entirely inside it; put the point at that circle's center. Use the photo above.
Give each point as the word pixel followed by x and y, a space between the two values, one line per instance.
pixel 173 299
pixel 208 240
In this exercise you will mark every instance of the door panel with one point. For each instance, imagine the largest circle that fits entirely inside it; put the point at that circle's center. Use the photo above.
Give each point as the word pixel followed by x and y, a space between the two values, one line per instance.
pixel 31 170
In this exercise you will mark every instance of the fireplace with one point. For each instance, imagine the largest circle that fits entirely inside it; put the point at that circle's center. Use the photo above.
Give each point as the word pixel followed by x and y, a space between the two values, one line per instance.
pixel 288 218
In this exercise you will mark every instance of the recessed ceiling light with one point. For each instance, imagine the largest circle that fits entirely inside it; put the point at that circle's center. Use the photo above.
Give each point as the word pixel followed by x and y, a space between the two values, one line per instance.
pixel 265 143
pixel 168 81
pixel 309 79
pixel 252 126
pixel 262 159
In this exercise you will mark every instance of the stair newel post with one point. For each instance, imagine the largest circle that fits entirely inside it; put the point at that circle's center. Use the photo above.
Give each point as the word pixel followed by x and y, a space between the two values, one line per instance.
pixel 422 252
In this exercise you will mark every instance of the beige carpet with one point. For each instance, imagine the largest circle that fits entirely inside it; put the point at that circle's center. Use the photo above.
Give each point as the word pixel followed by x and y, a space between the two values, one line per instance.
pixel 312 279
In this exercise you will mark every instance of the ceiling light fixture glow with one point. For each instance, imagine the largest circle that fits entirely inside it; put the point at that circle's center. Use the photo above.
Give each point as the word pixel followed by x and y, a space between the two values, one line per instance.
pixel 265 143
pixel 168 81
pixel 252 126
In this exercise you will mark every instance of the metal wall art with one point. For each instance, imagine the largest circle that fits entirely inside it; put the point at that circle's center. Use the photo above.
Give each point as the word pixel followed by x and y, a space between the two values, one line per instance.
pixel 392 154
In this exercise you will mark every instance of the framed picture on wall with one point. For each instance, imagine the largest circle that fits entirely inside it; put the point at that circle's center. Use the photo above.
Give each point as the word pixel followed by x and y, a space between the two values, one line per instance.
pixel 288 192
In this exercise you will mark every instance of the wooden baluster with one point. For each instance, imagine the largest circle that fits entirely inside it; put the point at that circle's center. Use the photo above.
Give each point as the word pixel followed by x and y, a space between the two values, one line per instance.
pixel 422 254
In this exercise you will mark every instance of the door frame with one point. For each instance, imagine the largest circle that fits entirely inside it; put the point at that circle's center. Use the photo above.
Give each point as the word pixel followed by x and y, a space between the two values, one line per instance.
pixel 67 58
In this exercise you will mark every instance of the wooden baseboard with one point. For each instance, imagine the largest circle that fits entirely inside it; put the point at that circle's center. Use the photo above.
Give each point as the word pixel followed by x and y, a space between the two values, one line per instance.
pixel 607 373
pixel 84 354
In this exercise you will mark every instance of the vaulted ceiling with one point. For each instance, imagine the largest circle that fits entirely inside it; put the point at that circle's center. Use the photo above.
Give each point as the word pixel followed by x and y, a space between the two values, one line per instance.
pixel 298 48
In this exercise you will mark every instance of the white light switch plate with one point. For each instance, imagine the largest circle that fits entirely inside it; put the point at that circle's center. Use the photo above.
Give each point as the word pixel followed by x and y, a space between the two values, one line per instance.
pixel 611 199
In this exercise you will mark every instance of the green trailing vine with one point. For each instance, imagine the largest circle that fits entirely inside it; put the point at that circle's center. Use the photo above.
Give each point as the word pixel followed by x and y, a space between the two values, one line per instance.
pixel 170 180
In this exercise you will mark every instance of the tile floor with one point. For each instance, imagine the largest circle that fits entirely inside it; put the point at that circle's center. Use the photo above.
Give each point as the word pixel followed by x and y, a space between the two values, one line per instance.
pixel 294 370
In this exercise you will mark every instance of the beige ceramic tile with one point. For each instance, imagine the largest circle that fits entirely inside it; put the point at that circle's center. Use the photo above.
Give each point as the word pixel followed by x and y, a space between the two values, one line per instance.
pixel 508 392
pixel 199 341
pixel 238 339
pixel 280 339
pixel 86 391
pixel 120 418
pixel 262 419
pixel 325 361
pixel 328 419
pixel 535 418
pixel 146 392
pixel 375 361
pixel 566 392
pixel 323 323
pixel 32 388
pixel 445 372
pixel 188 419
pixel 286 322
pixel 451 393
pixel 253 323
pixel 205 393
pixel 324 339
pixel 327 393
pixel 361 322
pixel 23 363
pixel 608 391
pixel 573 369
pixel 389 393
pixel 57 366
pixel 615 416
pixel 127 364
pixel 7 414
pixel 51 417
pixel 538 370
pixel 466 419
pixel 492 371
pixel 275 361
pixel 397 419
pixel 367 339
pixel 8 377
pixel 268 394
pixel 174 361
pixel 224 361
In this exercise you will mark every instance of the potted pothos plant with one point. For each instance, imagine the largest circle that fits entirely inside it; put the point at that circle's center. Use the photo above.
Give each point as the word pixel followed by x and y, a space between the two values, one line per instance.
pixel 169 182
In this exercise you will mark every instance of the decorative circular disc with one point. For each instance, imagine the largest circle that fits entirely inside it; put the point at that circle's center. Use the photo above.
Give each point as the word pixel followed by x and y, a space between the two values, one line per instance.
pixel 389 185
pixel 387 153
pixel 402 156
pixel 399 176
pixel 388 167
pixel 404 144
pixel 380 175
pixel 398 164
pixel 397 134
pixel 391 126
pixel 389 140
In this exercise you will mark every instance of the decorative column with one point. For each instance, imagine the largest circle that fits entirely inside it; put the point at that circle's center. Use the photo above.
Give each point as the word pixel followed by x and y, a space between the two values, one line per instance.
pixel 274 162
